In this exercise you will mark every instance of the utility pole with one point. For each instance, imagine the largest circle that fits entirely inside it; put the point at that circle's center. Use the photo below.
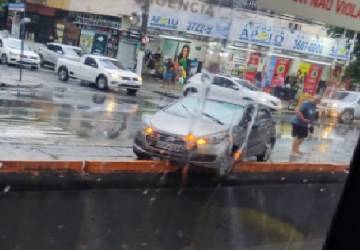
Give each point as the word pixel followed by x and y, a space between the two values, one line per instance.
pixel 145 7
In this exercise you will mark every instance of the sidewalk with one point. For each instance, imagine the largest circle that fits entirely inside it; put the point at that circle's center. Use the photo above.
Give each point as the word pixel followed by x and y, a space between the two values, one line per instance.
pixel 12 81
pixel 156 86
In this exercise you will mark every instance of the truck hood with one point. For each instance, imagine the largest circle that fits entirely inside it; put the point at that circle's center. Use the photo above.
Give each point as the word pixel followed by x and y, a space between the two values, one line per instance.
pixel 181 126
pixel 266 99
pixel 123 73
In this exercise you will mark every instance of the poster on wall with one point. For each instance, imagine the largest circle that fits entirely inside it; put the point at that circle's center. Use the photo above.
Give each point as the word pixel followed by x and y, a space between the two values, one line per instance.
pixel 269 72
pixel 312 79
pixel 280 72
pixel 86 40
pixel 99 44
pixel 252 66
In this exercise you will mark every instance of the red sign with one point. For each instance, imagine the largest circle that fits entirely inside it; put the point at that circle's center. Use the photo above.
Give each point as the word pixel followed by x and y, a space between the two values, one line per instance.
pixel 281 70
pixel 253 64
pixel 312 79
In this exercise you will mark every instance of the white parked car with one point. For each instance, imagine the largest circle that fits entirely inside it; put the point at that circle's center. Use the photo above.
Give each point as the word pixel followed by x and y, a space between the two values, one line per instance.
pixel 50 53
pixel 10 50
pixel 225 86
pixel 105 72
pixel 345 105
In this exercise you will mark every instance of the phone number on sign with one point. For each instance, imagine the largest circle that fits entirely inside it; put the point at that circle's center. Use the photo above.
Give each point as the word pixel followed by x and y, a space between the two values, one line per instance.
pixel 199 28
pixel 311 47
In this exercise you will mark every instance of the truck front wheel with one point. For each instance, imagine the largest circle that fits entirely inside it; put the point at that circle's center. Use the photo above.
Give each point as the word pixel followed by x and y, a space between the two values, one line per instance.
pixel 101 83
pixel 63 74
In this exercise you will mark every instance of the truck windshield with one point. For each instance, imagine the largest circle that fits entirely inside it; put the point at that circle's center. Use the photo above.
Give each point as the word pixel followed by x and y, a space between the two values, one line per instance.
pixel 247 85
pixel 72 51
pixel 111 64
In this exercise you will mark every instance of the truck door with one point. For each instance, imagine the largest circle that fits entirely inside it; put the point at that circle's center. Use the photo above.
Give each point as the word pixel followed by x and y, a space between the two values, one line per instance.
pixel 88 69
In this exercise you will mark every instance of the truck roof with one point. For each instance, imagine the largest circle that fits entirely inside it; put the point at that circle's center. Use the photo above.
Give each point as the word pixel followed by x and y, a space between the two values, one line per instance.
pixel 99 57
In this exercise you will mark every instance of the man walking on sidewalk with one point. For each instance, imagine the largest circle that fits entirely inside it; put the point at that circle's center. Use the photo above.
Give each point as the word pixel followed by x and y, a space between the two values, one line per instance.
pixel 301 123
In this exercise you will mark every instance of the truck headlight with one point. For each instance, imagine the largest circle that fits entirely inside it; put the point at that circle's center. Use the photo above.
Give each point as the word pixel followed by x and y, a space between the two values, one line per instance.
pixel 212 139
pixel 334 105
pixel 114 76
pixel 139 78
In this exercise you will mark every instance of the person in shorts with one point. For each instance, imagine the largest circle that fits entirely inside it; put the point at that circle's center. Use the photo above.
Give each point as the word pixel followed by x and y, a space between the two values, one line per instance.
pixel 301 122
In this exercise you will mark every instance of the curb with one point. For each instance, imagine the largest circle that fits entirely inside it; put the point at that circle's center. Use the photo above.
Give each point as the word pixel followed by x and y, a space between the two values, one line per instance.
pixel 20 85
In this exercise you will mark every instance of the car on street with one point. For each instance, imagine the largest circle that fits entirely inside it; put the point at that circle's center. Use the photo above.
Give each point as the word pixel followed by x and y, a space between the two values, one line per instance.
pixel 215 137
pixel 345 105
pixel 104 72
pixel 225 86
pixel 50 53
pixel 10 53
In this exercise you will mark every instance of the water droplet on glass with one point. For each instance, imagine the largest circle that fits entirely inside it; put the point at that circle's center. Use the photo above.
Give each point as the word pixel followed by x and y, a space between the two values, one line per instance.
pixel 153 198
pixel 98 179
pixel 283 178
pixel 60 227
pixel 124 247
pixel 145 192
pixel 346 171
pixel 7 188
pixel 180 192
pixel 143 244
pixel 61 176
pixel 180 234
pixel 305 180
pixel 322 189
pixel 1 164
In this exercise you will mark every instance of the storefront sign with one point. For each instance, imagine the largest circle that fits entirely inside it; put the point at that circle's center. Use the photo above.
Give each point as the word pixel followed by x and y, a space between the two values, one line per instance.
pixel 343 13
pixel 312 79
pixel 164 21
pixel 97 21
pixel 190 16
pixel 262 32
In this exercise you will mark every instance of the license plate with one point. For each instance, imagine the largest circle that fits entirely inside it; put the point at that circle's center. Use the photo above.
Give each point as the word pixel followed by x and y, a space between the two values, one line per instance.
pixel 169 147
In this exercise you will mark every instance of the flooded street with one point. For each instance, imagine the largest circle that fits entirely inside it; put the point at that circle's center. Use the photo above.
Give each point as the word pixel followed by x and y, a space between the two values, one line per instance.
pixel 69 121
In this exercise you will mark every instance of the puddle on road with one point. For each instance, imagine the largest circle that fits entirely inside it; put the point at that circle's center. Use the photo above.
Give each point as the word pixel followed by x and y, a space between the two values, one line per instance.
pixel 99 117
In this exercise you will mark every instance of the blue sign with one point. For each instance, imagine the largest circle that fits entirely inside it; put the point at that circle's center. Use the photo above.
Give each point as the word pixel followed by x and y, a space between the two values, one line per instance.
pixel 18 7
pixel 164 22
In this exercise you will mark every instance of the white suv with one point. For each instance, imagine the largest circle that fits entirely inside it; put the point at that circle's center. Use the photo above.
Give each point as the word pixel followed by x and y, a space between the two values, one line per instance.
pixel 227 86
pixel 345 105
pixel 50 53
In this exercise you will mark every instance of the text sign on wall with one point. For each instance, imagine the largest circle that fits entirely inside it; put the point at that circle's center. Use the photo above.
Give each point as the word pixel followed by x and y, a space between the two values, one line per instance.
pixel 343 13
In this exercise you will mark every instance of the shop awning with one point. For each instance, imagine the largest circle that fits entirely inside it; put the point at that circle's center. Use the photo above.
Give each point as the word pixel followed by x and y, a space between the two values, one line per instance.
pixel 40 9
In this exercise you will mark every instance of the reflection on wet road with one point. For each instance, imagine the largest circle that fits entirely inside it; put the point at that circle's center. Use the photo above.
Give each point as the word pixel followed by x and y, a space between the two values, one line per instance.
pixel 69 117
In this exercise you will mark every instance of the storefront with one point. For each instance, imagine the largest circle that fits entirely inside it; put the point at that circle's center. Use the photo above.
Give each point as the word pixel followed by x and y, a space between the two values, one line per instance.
pixel 98 34
pixel 274 54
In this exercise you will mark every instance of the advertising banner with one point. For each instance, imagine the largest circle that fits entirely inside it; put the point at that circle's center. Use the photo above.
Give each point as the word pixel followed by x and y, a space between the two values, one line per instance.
pixel 190 16
pixel 263 32
pixel 312 79
pixel 269 72
pixel 280 72
pixel 343 13
pixel 86 40
pixel 253 63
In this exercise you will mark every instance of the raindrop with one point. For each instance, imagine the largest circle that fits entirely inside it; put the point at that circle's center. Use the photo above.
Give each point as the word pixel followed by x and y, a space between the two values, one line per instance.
pixel 180 192
pixel 124 247
pixel 143 244
pixel 98 179
pixel 7 188
pixel 283 178
pixel 61 176
pixel 346 171
pixel 305 180
pixel 60 227
pixel 1 164
pixel 153 198
pixel 180 234
pixel 145 192
pixel 322 189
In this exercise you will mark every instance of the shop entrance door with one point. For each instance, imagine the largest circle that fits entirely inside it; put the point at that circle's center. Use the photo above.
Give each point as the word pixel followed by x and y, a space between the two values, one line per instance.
pixel 126 54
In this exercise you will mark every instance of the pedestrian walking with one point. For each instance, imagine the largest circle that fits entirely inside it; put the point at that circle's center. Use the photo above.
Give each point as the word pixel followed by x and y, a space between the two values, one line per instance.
pixel 169 73
pixel 302 123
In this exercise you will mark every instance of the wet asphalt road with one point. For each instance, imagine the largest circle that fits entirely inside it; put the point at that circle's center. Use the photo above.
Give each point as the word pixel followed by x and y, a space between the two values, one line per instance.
pixel 72 122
